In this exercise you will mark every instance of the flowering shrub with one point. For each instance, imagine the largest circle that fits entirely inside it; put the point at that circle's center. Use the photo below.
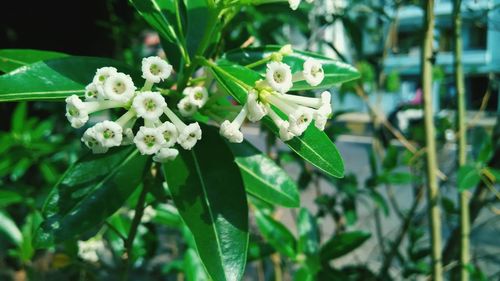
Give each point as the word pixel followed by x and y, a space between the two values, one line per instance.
pixel 181 111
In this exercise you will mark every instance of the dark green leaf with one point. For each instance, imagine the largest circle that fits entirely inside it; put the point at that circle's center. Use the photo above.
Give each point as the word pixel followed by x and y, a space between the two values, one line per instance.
pixel 19 118
pixel 89 192
pixel 9 228
pixel 151 11
pixel 313 145
pixel 8 197
pixel 263 178
pixel 208 191
pixel 276 234
pixel 335 72
pixel 11 59
pixel 468 177
pixel 54 79
pixel 193 267
pixel 391 158
pixel 201 21
pixel 303 274
pixel 342 244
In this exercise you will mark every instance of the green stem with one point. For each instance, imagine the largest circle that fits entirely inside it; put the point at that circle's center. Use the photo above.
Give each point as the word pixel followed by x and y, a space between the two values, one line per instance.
pixel 462 142
pixel 432 166
pixel 211 64
pixel 259 62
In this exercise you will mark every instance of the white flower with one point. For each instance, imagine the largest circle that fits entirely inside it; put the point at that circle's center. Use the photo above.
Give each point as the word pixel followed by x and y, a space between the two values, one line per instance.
pixel 76 111
pixel 165 154
pixel 189 136
pixel 149 105
pixel 294 4
pixel 320 120
pixel 231 130
pixel 128 136
pixel 322 104
pixel 87 250
pixel 283 126
pixel 299 121
pixel 313 72
pixel 102 74
pixel 108 133
pixel 186 107
pixel 149 140
pixel 91 92
pixel 90 140
pixel 119 87
pixel 155 69
pixel 256 110
pixel 286 50
pixel 279 76
pixel 170 133
pixel 197 95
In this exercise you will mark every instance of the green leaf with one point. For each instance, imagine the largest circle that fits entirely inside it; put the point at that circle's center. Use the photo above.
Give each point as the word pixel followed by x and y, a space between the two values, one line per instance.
pixel 263 178
pixel 342 244
pixel 54 79
pixel 276 234
pixel 308 233
pixel 335 72
pixel 90 191
pixel 11 59
pixel 208 191
pixel 26 250
pixel 313 145
pixel 303 274
pixel 151 11
pixel 9 228
pixel 468 177
pixel 201 21
pixel 8 197
pixel 19 118
pixel 193 267
pixel 396 178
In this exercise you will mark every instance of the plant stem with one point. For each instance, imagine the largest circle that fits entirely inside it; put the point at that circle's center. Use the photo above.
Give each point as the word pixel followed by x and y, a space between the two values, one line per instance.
pixel 462 141
pixel 432 166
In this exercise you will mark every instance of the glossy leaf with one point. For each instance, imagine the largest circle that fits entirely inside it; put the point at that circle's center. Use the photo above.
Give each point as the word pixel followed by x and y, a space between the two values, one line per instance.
pixel 263 178
pixel 9 228
pixel 54 79
pixel 276 234
pixel 208 192
pixel 313 145
pixel 201 20
pixel 89 192
pixel 151 11
pixel 193 267
pixel 342 244
pixel 308 233
pixel 468 177
pixel 335 71
pixel 11 59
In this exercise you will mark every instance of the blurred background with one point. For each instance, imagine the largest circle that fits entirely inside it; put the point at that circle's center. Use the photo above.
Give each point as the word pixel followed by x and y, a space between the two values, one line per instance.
pixel 381 196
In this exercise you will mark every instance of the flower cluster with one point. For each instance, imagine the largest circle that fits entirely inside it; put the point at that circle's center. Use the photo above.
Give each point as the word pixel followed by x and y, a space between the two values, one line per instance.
pixel 269 97
pixel 113 89
pixel 88 250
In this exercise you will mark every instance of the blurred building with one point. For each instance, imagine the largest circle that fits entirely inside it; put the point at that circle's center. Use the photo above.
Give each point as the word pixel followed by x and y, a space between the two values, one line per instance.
pixel 481 53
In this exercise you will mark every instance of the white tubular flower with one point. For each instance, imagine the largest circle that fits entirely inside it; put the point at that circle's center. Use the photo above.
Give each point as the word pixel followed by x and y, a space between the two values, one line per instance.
pixel 294 4
pixel 320 119
pixel 119 87
pixel 286 50
pixel 149 140
pixel 102 74
pixel 91 92
pixel 165 154
pixel 170 133
pixel 197 95
pixel 78 111
pixel 108 133
pixel 299 116
pixel 279 76
pixel 283 126
pixel 149 105
pixel 189 135
pixel 231 130
pixel 256 110
pixel 148 214
pixel 313 72
pixel 155 69
pixel 87 250
pixel 90 141
pixel 186 107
